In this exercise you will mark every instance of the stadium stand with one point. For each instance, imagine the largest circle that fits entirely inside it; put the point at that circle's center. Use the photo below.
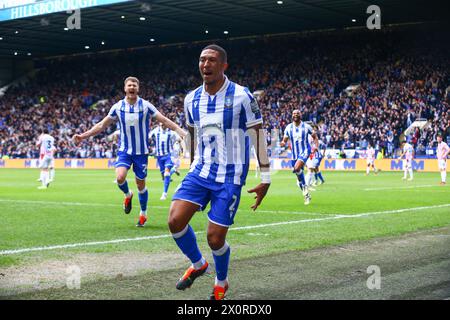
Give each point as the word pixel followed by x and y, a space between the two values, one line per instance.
pixel 396 76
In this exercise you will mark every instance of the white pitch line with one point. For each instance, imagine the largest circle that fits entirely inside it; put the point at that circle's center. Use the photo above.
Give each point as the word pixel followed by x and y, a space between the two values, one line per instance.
pixel 87 204
pixel 290 212
pixel 408 187
pixel 84 244
pixel 82 204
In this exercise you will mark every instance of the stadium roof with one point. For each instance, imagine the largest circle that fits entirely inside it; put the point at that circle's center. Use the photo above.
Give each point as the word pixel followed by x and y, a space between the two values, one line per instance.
pixel 122 25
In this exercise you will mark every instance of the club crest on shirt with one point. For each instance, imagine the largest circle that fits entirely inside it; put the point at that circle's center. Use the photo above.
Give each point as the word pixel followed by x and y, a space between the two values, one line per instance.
pixel 228 102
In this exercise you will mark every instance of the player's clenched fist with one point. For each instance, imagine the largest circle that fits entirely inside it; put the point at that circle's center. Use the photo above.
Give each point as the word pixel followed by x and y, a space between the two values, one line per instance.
pixel 77 138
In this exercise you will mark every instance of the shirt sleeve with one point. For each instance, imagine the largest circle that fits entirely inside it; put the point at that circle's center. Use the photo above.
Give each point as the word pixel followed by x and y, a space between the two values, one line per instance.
pixel 188 111
pixel 151 109
pixel 252 111
pixel 113 112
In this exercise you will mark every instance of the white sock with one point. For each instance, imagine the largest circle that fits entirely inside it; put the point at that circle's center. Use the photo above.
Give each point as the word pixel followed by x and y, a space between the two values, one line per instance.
pixel 443 176
pixel 374 169
pixel 45 178
pixel 41 176
pixel 199 263
pixel 411 173
pixel 406 173
pixel 309 179
pixel 143 213
pixel 52 174
pixel 367 170
pixel 221 283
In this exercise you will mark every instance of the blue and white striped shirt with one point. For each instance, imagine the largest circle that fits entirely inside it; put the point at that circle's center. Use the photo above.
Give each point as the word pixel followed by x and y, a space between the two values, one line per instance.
pixel 134 121
pixel 299 139
pixel 164 140
pixel 221 124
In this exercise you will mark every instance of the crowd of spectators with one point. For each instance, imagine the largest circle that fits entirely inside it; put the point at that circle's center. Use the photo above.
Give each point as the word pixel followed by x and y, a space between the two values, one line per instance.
pixel 394 76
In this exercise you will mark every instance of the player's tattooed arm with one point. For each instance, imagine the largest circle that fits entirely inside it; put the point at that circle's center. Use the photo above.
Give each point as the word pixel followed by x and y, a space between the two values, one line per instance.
pixel 99 127
pixel 259 141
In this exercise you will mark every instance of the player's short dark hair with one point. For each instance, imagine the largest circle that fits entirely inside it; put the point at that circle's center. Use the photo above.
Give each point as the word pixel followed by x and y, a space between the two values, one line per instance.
pixel 222 53
pixel 132 79
pixel 45 130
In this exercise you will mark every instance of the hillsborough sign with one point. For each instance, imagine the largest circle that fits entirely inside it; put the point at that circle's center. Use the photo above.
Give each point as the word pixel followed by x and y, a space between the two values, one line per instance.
pixel 37 8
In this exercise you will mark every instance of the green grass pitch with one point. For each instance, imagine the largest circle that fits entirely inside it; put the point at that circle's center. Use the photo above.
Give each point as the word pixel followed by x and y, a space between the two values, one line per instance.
pixel 84 207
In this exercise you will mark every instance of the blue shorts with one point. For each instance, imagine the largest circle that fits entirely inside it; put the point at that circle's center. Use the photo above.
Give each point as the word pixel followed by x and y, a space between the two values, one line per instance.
pixel 164 162
pixel 304 156
pixel 224 197
pixel 316 162
pixel 139 163
pixel 293 162
pixel 319 161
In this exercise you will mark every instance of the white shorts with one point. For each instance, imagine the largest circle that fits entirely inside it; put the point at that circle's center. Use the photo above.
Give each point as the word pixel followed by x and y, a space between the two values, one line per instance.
pixel 312 163
pixel 442 164
pixel 46 162
pixel 370 162
pixel 406 164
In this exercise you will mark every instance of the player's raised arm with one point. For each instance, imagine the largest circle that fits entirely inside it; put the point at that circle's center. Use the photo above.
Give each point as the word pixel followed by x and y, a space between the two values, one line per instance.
pixel 99 127
pixel 170 124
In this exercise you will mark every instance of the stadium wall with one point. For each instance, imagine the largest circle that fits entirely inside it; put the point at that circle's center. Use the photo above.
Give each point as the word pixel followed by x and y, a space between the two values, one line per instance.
pixel 424 165
pixel 11 69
